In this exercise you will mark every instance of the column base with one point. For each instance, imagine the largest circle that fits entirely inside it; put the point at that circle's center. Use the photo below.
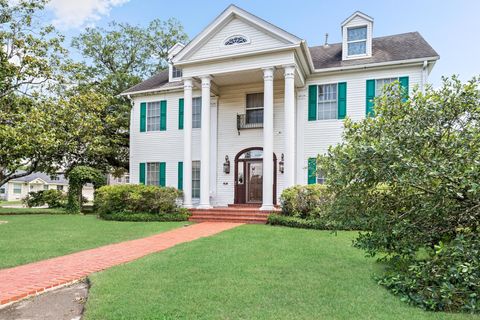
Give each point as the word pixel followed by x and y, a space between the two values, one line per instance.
pixel 204 206
pixel 267 207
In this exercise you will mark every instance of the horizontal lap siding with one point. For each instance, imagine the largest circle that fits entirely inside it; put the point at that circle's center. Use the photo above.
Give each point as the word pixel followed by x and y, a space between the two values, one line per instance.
pixel 232 102
pixel 319 135
pixel 160 146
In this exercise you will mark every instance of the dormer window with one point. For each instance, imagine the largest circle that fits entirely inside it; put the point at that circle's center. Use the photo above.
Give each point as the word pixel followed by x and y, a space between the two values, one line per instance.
pixel 176 72
pixel 357 41
pixel 237 39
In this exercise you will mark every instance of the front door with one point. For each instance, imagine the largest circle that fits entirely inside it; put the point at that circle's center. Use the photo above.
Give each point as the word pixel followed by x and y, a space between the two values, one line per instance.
pixel 254 181
pixel 249 176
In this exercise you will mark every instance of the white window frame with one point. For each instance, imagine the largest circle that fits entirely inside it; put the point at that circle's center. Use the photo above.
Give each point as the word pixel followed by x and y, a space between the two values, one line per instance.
pixel 3 190
pixel 235 44
pixel 320 179
pixel 152 173
pixel 196 166
pixel 323 103
pixel 60 187
pixel 254 108
pixel 177 73
pixel 15 190
pixel 357 41
pixel 196 117
pixel 379 89
pixel 149 118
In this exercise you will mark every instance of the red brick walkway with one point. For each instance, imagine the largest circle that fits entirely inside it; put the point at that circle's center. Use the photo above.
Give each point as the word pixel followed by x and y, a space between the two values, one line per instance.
pixel 26 280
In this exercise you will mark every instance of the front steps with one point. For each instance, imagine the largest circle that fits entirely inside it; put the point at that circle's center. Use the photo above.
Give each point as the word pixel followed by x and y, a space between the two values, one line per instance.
pixel 232 213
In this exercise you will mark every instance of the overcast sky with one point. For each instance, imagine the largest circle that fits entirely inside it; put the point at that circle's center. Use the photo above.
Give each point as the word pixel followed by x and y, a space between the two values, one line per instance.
pixel 451 27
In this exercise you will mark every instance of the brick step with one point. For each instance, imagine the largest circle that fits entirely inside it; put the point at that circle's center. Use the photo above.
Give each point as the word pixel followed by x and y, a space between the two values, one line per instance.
pixel 238 216
pixel 224 212
pixel 233 210
pixel 229 219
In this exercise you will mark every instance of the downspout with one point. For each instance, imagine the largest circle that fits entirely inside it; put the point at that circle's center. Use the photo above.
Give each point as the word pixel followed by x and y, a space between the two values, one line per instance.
pixel 424 75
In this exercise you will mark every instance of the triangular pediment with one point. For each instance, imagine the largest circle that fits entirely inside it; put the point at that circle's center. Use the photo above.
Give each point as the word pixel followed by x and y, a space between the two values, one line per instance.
pixel 256 34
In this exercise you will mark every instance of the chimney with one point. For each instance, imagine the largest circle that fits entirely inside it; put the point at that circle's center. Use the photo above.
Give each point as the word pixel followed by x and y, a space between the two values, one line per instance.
pixel 326 45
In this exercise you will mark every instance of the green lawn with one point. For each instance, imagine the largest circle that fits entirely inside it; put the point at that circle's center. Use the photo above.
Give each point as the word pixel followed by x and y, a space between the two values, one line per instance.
pixel 17 211
pixel 251 272
pixel 28 238
pixel 10 203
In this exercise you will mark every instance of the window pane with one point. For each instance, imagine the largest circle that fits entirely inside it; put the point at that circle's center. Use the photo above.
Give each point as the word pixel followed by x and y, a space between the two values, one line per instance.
pixel 17 188
pixel 254 100
pixel 357 48
pixel 153 116
pixel 359 33
pixel 196 179
pixel 327 102
pixel 197 112
pixel 153 172
pixel 254 116
pixel 320 177
pixel 176 72
pixel 254 107
pixel 380 83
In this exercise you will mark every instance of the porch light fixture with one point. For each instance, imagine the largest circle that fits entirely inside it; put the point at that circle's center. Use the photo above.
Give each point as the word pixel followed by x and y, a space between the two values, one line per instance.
pixel 226 165
pixel 281 164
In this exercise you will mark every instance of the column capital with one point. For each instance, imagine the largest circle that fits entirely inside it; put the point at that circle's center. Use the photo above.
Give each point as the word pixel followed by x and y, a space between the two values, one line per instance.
pixel 268 73
pixel 187 83
pixel 289 71
pixel 206 79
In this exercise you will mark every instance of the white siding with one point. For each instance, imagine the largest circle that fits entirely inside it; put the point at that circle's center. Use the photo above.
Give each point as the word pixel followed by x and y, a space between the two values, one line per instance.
pixel 214 47
pixel 316 136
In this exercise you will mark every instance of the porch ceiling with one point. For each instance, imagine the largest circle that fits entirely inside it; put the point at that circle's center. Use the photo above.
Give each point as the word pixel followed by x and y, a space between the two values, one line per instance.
pixel 244 77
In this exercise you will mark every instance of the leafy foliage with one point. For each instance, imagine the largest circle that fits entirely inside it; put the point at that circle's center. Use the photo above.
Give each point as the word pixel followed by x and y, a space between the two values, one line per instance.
pixel 411 172
pixel 308 201
pixel 77 178
pixel 52 198
pixel 139 203
pixel 321 223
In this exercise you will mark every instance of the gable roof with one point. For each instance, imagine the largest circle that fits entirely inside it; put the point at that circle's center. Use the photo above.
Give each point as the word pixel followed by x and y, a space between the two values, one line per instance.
pixel 158 81
pixel 357 13
pixel 398 47
pixel 224 17
pixel 43 176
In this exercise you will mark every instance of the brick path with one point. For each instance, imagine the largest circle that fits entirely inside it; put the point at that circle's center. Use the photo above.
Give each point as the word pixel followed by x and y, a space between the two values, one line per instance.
pixel 19 282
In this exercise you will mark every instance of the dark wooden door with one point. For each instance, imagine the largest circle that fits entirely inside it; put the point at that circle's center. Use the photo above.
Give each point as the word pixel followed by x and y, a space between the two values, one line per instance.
pixel 254 181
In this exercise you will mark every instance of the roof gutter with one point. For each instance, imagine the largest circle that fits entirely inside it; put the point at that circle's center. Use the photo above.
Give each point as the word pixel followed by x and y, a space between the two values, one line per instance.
pixel 374 65
pixel 128 94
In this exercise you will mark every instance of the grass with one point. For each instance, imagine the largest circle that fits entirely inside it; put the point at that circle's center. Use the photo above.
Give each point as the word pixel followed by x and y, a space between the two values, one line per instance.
pixel 24 211
pixel 10 203
pixel 251 272
pixel 28 238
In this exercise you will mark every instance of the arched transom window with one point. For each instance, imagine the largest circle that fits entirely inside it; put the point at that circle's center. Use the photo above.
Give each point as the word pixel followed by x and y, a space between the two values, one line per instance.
pixel 236 39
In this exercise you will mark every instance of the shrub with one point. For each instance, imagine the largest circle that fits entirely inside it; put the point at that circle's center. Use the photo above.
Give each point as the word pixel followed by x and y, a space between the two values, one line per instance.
pixel 77 178
pixel 308 201
pixel 134 202
pixel 449 281
pixel 323 223
pixel 52 198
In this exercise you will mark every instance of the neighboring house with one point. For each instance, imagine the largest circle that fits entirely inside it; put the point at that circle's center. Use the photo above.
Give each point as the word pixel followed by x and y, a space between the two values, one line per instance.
pixel 113 180
pixel 18 188
pixel 245 106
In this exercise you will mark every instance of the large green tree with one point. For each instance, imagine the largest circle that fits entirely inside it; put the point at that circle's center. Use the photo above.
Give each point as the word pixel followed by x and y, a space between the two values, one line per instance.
pixel 119 57
pixel 31 64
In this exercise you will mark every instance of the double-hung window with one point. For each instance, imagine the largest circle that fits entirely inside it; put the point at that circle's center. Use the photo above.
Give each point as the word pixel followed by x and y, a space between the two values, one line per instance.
pixel 17 188
pixel 254 108
pixel 153 173
pixel 197 112
pixel 380 83
pixel 196 179
pixel 153 116
pixel 327 102
pixel 176 72
pixel 357 40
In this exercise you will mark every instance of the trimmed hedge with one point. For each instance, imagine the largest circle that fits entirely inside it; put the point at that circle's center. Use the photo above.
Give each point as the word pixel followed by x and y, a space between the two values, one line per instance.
pixel 318 224
pixel 146 217
pixel 131 202
pixel 23 211
pixel 306 202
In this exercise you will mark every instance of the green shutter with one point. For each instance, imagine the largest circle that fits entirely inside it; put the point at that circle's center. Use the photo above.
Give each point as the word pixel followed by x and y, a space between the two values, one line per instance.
pixel 342 100
pixel 141 175
pixel 404 84
pixel 312 170
pixel 180 113
pixel 143 116
pixel 163 115
pixel 312 103
pixel 180 175
pixel 370 97
pixel 161 174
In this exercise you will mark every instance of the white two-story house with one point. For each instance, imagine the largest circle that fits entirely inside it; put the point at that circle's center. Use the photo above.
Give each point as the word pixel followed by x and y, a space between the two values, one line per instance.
pixel 246 106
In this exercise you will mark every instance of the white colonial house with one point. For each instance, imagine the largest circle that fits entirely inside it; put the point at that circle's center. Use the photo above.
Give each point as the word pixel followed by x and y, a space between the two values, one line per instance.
pixel 246 106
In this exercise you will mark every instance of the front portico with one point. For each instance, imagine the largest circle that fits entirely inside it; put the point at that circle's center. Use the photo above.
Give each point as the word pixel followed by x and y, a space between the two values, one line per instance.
pixel 220 60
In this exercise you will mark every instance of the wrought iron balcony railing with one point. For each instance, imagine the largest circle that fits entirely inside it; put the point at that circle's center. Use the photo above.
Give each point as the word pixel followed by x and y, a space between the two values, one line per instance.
pixel 242 123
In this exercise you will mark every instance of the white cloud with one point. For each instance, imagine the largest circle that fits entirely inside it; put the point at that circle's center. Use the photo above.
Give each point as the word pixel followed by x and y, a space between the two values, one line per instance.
pixel 79 13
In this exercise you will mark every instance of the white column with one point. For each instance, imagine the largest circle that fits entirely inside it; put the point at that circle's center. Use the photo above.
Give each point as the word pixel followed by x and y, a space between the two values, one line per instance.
pixel 205 146
pixel 187 143
pixel 289 129
pixel 267 201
